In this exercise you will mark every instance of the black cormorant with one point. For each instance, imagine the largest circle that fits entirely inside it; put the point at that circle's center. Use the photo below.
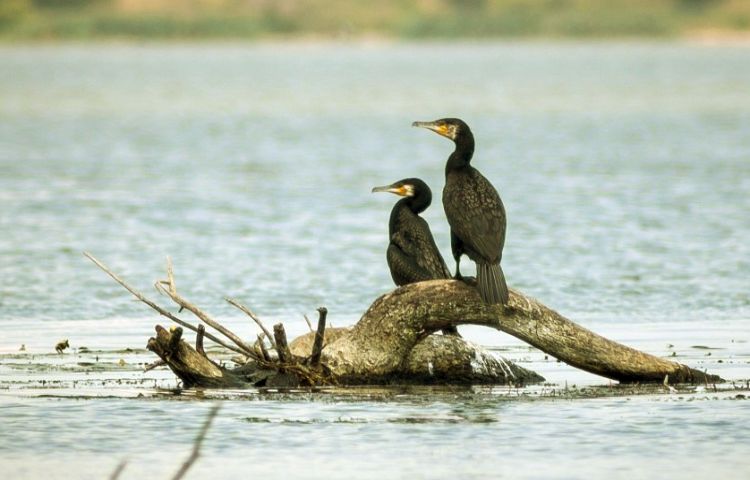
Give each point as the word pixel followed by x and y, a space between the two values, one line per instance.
pixel 412 254
pixel 475 212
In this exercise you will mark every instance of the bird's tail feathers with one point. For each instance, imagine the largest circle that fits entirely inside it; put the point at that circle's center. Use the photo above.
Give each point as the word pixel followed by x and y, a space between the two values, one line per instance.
pixel 491 283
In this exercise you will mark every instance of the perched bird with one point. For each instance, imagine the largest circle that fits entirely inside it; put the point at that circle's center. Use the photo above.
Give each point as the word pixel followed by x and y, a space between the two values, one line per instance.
pixel 412 254
pixel 475 212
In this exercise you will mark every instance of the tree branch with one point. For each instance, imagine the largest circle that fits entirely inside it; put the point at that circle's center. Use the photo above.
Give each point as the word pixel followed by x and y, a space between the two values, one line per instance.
pixel 156 307
pixel 398 320
pixel 197 443
pixel 255 318
pixel 169 288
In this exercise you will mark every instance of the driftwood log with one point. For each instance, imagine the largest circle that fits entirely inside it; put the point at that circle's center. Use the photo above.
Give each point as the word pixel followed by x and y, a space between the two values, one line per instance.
pixel 395 341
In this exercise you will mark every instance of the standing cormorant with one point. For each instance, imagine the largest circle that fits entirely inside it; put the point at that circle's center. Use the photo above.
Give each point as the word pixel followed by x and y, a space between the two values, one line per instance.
pixel 412 254
pixel 475 212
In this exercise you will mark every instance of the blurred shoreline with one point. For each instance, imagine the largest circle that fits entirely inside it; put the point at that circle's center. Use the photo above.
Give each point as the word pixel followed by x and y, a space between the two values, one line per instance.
pixel 706 21
pixel 712 39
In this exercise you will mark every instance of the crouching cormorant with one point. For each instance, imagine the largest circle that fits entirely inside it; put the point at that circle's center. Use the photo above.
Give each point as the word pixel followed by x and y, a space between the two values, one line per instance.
pixel 475 212
pixel 412 254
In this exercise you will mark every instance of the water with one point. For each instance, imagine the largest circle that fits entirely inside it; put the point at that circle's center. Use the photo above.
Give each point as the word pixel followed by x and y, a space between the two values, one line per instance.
pixel 625 170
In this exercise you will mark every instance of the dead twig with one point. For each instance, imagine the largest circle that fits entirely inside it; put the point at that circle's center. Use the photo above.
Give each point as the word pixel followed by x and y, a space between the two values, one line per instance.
pixel 255 318
pixel 199 340
pixel 169 288
pixel 263 350
pixel 197 443
pixel 152 366
pixel 282 347
pixel 156 307
pixel 309 325
pixel 118 470
pixel 319 335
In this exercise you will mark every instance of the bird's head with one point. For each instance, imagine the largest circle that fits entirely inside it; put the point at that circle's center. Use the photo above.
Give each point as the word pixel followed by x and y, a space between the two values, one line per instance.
pixel 453 128
pixel 417 193
pixel 408 187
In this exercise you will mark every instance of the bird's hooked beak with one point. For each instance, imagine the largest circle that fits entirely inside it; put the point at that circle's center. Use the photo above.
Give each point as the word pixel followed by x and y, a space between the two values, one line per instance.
pixel 400 190
pixel 441 129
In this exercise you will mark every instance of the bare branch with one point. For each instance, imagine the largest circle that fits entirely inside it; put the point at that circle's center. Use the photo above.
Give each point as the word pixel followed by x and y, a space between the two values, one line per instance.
pixel 309 325
pixel 152 366
pixel 197 444
pixel 156 307
pixel 169 288
pixel 319 334
pixel 199 340
pixel 255 318
pixel 118 470
pixel 262 347
pixel 282 347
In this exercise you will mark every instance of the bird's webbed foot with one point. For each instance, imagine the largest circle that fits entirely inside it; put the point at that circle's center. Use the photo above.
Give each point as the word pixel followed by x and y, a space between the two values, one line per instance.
pixel 468 280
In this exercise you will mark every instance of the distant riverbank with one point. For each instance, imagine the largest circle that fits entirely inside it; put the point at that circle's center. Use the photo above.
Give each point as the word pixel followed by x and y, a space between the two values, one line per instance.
pixel 23 20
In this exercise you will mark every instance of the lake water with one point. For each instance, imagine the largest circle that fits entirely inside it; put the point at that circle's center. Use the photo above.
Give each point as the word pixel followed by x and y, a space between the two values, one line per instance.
pixel 624 168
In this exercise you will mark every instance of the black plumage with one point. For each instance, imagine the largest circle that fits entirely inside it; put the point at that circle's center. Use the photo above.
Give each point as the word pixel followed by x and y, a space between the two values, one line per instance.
pixel 412 253
pixel 474 210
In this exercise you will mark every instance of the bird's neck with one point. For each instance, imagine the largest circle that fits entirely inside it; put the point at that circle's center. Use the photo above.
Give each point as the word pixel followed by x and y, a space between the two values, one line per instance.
pixel 416 204
pixel 461 156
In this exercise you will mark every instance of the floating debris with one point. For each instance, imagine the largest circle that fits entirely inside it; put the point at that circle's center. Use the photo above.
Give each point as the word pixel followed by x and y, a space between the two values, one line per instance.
pixel 62 345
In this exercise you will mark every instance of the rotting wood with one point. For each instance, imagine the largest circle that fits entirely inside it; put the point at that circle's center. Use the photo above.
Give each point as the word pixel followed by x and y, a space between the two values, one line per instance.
pixel 199 340
pixel 398 320
pixel 379 347
pixel 282 346
pixel 194 369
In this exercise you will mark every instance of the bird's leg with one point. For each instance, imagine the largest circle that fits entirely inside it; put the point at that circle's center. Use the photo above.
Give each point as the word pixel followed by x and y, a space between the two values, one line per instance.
pixel 457 250
pixel 458 275
pixel 451 331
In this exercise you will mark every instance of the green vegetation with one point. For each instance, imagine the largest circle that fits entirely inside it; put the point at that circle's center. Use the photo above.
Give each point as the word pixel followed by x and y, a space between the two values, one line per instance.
pixel 227 19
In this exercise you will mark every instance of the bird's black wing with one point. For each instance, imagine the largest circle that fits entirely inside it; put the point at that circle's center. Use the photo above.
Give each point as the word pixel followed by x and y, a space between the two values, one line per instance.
pixel 412 253
pixel 476 214
pixel 426 251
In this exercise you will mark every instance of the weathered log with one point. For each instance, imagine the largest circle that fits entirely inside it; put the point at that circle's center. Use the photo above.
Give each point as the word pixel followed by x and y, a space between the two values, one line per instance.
pixel 398 320
pixel 190 366
pixel 438 359
pixel 385 344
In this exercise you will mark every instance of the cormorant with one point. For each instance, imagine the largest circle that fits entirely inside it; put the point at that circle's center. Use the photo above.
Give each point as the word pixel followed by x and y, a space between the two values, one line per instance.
pixel 475 212
pixel 412 254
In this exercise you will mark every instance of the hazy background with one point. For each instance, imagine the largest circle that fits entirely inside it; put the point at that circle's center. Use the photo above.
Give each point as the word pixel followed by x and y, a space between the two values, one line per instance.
pixel 252 19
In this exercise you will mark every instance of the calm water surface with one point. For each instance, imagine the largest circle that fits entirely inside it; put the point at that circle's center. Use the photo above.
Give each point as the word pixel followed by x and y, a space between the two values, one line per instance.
pixel 625 170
